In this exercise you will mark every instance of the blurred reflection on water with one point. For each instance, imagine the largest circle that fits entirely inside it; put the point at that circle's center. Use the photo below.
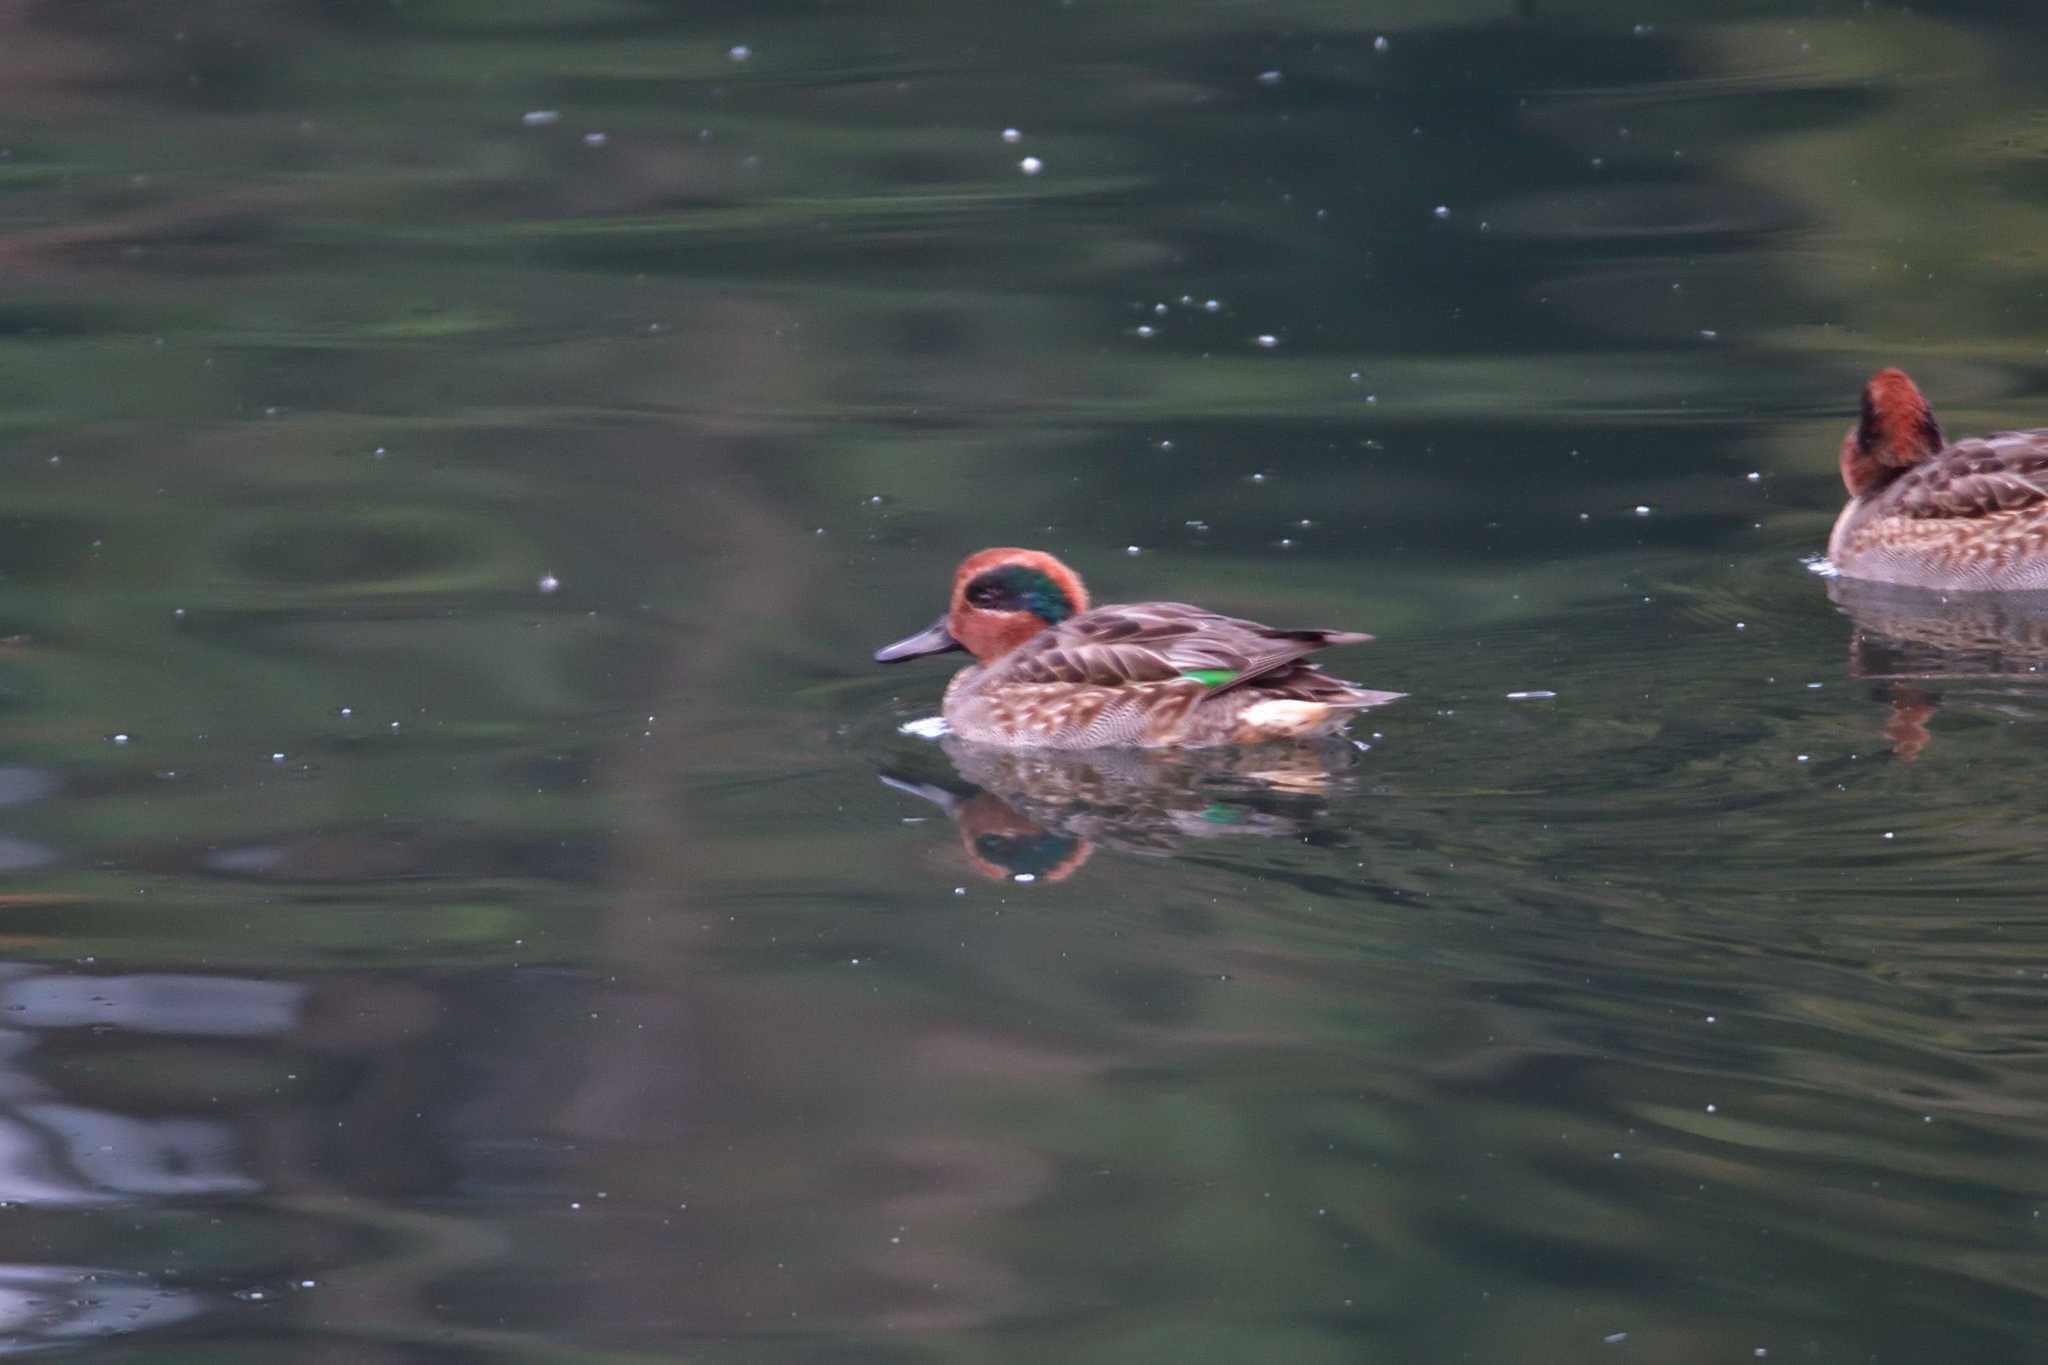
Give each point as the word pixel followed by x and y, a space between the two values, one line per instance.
pixel 1928 650
pixel 460 456
pixel 1025 814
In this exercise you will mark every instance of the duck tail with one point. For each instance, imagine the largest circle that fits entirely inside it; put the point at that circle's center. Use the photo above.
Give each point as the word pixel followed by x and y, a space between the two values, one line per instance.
pixel 1287 718
pixel 1322 639
pixel 1363 699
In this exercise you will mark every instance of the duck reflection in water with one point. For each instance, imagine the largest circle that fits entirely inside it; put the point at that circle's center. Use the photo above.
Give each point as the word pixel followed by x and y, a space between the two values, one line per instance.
pixel 1927 649
pixel 1039 815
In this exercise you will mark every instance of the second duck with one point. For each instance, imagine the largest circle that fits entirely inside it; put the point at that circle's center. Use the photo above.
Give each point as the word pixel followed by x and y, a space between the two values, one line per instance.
pixel 1927 512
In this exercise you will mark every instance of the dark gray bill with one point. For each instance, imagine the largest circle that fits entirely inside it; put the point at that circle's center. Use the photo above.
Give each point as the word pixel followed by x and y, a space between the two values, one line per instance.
pixel 933 639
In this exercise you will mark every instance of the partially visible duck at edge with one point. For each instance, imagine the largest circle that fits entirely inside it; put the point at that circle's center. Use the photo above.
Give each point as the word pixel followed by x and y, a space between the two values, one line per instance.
pixel 1923 512
pixel 1050 672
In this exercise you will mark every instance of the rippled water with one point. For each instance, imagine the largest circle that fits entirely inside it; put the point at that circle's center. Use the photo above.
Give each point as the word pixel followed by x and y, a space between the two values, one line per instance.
pixel 465 894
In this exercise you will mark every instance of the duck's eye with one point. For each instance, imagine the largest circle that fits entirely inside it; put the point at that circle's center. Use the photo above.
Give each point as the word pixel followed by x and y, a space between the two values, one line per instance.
pixel 982 594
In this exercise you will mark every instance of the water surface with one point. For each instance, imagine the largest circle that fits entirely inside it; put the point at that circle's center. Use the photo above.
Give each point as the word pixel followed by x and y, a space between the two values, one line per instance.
pixel 467 897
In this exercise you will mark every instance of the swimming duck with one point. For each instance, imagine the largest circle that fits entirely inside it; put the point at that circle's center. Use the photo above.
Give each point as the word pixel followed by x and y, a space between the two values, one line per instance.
pixel 1052 673
pixel 1927 513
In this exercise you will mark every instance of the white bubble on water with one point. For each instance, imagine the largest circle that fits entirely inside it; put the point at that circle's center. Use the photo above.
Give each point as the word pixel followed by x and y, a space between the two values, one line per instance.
pixel 1380 44
pixel 1270 78
pixel 1441 212
pixel 1012 135
pixel 1031 165
pixel 1266 340
pixel 740 52
pixel 540 118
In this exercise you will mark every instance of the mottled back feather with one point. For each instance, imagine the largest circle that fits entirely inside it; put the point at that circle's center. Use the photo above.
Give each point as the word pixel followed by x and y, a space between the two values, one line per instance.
pixel 1151 642
pixel 1972 478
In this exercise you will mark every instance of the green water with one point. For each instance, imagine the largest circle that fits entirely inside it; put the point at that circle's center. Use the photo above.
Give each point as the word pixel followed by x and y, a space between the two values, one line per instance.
pixel 466 895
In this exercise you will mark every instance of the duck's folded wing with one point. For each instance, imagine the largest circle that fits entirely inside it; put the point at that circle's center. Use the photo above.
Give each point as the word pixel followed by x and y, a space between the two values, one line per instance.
pixel 1161 641
pixel 1976 478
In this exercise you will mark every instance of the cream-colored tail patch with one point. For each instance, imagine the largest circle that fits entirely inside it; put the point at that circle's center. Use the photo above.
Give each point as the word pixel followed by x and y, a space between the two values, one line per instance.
pixel 1282 719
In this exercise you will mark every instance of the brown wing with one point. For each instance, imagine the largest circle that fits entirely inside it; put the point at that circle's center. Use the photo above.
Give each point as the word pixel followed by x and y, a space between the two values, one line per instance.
pixel 1159 641
pixel 1974 478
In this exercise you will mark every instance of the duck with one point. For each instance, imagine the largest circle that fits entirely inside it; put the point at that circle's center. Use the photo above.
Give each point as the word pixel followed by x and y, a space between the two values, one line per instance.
pixel 1924 512
pixel 1052 671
